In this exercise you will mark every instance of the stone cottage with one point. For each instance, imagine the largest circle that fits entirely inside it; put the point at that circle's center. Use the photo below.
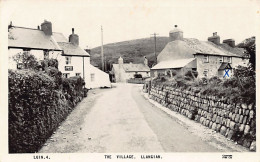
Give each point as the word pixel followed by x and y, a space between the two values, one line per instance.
pixel 123 71
pixel 209 58
pixel 43 43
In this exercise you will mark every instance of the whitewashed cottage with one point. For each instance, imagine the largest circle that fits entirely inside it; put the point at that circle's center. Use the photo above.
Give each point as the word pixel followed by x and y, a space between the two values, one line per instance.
pixel 122 72
pixel 209 58
pixel 44 43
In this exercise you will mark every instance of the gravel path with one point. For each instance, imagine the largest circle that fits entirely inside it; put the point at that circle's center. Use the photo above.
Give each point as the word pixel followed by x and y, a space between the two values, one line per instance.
pixel 122 119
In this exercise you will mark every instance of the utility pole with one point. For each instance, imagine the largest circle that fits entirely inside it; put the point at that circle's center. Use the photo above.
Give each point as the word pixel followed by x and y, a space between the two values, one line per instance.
pixel 102 50
pixel 154 36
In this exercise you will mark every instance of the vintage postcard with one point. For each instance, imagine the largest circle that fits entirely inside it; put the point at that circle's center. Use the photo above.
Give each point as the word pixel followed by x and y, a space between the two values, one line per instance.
pixel 133 80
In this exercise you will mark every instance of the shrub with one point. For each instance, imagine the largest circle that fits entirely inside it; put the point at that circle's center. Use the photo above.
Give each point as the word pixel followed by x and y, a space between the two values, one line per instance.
pixel 191 74
pixel 55 74
pixel 215 80
pixel 73 89
pixel 38 102
pixel 174 73
pixel 49 63
pixel 27 60
pixel 35 110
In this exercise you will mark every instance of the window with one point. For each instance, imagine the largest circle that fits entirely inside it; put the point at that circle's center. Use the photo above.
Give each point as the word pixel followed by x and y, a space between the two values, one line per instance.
pixel 229 60
pixel 221 59
pixel 66 75
pixel 68 68
pixel 78 74
pixel 206 58
pixel 68 60
pixel 205 72
pixel 92 77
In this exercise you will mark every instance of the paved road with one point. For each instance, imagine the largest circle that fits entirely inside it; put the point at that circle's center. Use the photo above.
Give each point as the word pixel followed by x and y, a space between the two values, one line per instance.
pixel 122 120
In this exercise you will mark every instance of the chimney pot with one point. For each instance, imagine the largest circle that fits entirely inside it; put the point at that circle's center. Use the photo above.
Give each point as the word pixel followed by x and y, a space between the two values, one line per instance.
pixel 230 42
pixel 175 34
pixel 74 38
pixel 214 39
pixel 46 27
pixel 10 25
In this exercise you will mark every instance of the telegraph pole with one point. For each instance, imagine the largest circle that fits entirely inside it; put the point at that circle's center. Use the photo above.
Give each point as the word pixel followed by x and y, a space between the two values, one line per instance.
pixel 154 36
pixel 102 50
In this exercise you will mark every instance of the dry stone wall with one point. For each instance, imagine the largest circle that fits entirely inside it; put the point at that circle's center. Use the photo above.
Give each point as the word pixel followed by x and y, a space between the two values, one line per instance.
pixel 235 121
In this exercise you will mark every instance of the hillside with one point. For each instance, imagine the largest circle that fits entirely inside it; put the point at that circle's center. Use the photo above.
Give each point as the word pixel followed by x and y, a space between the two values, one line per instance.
pixel 130 51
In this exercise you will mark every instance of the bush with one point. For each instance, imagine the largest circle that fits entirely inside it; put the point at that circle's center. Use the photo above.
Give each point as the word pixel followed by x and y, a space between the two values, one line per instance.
pixel 73 89
pixel 191 74
pixel 49 63
pixel 239 88
pixel 27 60
pixel 55 74
pixel 35 110
pixel 38 102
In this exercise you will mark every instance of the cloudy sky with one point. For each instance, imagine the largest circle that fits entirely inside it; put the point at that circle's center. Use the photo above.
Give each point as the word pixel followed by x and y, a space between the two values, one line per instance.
pixel 125 19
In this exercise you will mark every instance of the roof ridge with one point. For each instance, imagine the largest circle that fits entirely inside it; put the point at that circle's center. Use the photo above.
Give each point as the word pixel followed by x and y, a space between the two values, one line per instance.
pixel 25 28
pixel 34 29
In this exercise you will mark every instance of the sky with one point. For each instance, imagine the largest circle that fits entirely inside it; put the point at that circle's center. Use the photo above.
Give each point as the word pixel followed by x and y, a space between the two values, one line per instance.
pixel 133 19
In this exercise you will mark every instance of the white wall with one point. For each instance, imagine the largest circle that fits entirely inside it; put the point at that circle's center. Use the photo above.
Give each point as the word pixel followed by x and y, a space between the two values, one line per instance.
pixel 101 78
pixel 76 63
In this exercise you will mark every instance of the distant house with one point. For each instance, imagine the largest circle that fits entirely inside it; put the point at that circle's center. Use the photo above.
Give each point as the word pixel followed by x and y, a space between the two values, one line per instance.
pixel 208 58
pixel 122 71
pixel 43 44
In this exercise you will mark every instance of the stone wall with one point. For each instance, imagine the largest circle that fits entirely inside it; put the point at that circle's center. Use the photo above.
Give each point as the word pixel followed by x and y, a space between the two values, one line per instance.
pixel 235 121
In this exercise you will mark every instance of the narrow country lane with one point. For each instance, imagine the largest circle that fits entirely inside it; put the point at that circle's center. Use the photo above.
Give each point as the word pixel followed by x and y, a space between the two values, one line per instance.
pixel 121 119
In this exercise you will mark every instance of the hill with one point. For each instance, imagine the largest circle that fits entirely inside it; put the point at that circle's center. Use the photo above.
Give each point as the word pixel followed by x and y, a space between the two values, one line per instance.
pixel 130 51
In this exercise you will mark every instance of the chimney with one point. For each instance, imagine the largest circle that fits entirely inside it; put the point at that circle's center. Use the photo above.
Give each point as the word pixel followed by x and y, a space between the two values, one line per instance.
pixel 176 34
pixel 230 42
pixel 214 39
pixel 74 38
pixel 145 61
pixel 120 61
pixel 10 25
pixel 46 27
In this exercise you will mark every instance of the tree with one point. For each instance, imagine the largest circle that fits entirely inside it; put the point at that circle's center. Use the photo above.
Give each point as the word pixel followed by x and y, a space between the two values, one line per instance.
pixel 27 60
pixel 249 45
pixel 251 51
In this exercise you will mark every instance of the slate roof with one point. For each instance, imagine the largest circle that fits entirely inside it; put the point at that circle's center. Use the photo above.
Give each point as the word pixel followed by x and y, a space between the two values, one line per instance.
pixel 68 48
pixel 59 37
pixel 206 47
pixel 172 64
pixel 133 67
pixel 186 48
pixel 27 38
pixel 72 50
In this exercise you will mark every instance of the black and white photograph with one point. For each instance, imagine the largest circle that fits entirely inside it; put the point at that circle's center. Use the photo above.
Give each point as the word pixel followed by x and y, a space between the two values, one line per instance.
pixel 139 80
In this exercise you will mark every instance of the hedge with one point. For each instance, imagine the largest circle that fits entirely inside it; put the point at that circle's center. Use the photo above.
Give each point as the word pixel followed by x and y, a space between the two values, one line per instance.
pixel 37 107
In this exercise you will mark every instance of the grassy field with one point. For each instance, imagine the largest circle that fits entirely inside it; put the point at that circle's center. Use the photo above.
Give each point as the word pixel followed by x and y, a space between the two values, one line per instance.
pixel 130 51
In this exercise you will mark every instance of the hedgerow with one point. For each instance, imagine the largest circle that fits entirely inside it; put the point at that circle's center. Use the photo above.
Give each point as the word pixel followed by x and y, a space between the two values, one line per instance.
pixel 240 88
pixel 38 102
